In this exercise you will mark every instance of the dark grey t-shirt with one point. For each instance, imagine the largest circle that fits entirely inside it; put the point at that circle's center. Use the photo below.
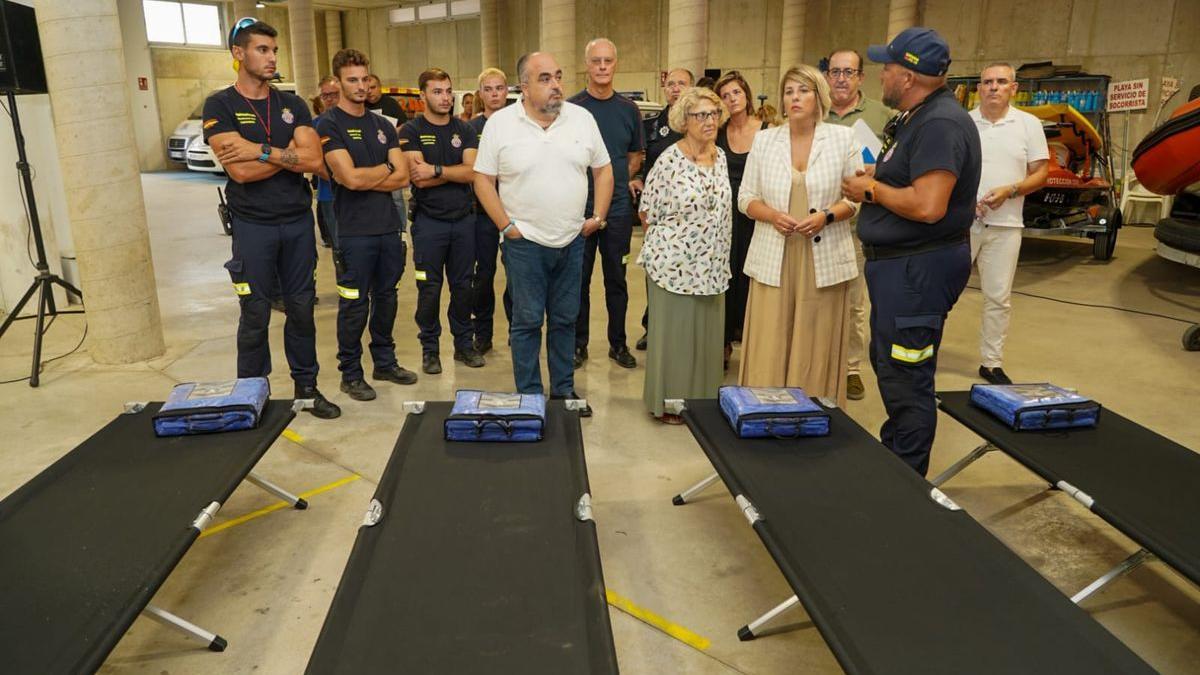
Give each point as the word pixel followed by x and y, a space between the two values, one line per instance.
pixel 621 128
pixel 939 136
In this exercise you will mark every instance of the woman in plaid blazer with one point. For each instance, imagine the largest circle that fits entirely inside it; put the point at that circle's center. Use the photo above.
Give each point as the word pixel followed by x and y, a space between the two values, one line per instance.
pixel 802 253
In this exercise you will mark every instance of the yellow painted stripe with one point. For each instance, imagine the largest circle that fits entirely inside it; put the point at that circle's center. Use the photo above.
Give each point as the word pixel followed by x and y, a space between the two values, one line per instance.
pixel 672 629
pixel 277 505
pixel 292 436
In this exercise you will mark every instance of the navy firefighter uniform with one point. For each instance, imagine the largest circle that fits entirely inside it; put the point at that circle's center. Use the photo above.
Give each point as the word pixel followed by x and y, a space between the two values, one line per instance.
pixel 273 240
pixel 369 252
pixel 483 291
pixel 915 271
pixel 443 235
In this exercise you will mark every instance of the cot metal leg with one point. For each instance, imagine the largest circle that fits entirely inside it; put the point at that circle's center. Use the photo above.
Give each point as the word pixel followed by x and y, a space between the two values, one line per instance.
pixel 1125 567
pixel 747 632
pixel 681 498
pixel 961 464
pixel 215 642
pixel 296 502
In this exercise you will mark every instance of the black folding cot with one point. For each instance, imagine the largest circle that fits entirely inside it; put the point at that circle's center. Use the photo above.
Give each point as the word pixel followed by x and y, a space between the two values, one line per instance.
pixel 86 543
pixel 1145 485
pixel 893 574
pixel 474 558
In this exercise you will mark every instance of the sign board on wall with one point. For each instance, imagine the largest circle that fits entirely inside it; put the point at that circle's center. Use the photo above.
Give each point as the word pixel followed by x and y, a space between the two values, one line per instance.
pixel 1128 95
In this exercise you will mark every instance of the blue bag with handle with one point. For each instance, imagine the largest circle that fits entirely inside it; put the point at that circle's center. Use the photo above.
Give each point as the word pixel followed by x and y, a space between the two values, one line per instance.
pixel 496 417
pixel 211 407
pixel 1036 406
pixel 772 412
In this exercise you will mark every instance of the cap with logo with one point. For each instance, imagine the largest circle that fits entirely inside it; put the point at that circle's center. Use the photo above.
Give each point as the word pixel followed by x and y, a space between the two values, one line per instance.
pixel 918 49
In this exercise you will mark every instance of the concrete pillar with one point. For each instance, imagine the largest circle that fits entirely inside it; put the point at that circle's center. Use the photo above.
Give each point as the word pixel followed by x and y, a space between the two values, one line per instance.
pixel 558 38
pixel 243 8
pixel 687 35
pixel 304 48
pixel 791 44
pixel 333 32
pixel 489 35
pixel 901 14
pixel 85 70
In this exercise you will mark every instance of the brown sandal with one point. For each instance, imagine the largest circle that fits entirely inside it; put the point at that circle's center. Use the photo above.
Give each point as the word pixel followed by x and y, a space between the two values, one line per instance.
pixel 668 418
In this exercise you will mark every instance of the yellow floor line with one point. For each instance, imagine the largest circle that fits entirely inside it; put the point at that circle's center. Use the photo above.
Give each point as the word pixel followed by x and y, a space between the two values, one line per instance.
pixel 676 631
pixel 293 436
pixel 277 505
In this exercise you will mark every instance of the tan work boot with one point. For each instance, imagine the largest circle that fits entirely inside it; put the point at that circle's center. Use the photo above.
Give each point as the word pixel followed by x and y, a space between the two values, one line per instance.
pixel 854 388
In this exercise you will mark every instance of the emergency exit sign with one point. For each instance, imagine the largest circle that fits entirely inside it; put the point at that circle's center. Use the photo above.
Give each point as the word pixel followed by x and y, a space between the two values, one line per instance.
pixel 1128 95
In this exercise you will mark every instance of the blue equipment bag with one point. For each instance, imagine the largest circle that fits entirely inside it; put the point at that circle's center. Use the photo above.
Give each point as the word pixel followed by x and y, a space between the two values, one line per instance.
pixel 210 407
pixel 1035 406
pixel 772 412
pixel 490 416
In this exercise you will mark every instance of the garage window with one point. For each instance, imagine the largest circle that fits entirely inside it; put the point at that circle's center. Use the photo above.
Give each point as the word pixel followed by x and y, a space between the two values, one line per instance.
pixel 430 11
pixel 183 23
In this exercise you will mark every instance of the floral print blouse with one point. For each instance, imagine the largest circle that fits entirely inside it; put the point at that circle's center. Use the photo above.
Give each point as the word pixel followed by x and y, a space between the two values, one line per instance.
pixel 689 210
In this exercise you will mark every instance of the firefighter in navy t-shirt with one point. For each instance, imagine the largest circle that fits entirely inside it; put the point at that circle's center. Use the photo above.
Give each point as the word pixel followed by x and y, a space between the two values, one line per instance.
pixel 364 158
pixel 440 149
pixel 265 141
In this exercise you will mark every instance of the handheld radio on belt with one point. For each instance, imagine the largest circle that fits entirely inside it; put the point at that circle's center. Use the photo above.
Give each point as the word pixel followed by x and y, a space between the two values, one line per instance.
pixel 223 213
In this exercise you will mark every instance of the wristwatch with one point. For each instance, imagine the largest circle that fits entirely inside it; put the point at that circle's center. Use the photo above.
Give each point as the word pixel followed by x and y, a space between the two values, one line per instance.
pixel 390 167
pixel 437 170
pixel 504 232
pixel 602 223
pixel 266 153
pixel 1016 188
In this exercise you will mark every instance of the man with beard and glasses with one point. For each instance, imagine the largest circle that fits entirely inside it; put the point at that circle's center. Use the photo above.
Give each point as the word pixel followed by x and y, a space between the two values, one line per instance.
pixel 916 216
pixel 541 151
pixel 364 158
pixel 440 149
pixel 264 140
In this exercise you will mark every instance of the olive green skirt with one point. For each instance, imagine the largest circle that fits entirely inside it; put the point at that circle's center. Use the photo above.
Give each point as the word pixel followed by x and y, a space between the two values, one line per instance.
pixel 685 346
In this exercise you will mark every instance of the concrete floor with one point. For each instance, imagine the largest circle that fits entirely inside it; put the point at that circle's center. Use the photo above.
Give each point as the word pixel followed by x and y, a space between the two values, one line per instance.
pixel 267 583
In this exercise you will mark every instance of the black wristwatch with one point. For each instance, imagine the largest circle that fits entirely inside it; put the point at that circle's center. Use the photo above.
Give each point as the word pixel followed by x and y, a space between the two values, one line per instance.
pixel 437 170
pixel 391 169
pixel 829 217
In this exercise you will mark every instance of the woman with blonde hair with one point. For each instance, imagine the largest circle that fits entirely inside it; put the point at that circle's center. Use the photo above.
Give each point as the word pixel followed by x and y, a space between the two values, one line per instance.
pixel 802 252
pixel 687 210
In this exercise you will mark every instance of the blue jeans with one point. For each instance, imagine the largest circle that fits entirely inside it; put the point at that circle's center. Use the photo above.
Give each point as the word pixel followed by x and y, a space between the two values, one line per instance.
pixel 545 286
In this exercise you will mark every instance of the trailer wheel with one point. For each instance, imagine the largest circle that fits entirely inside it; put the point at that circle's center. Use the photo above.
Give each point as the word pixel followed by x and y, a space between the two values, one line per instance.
pixel 1191 338
pixel 1104 243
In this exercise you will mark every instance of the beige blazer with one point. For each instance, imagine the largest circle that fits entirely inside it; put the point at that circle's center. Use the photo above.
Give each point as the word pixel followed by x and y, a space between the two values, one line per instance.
pixel 768 177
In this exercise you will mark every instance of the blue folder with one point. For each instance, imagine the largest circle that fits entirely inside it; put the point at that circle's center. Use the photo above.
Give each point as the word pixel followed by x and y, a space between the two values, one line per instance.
pixel 772 412
pixel 211 407
pixel 1036 406
pixel 496 417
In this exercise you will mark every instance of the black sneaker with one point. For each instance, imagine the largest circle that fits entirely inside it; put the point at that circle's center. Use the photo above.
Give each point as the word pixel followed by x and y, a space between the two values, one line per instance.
pixel 585 411
pixel 431 364
pixel 322 408
pixel 641 343
pixel 622 356
pixel 994 375
pixel 358 390
pixel 581 355
pixel 483 346
pixel 395 374
pixel 470 357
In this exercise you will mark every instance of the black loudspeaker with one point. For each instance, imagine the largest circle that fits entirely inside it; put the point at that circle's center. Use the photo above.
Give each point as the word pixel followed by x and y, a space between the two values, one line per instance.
pixel 21 69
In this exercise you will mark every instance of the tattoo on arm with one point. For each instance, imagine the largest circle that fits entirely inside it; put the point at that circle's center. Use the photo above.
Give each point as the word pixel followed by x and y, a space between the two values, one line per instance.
pixel 289 158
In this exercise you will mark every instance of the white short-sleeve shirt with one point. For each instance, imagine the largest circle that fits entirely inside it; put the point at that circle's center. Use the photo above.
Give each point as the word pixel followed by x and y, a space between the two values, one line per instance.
pixel 543 172
pixel 1009 147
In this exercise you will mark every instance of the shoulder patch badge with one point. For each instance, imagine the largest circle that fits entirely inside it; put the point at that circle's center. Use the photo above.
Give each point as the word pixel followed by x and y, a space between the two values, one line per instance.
pixel 287 116
pixel 208 124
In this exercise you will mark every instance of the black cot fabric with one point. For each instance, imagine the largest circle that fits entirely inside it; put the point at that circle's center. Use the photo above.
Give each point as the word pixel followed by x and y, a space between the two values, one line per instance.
pixel 895 582
pixel 1146 486
pixel 478 565
pixel 87 542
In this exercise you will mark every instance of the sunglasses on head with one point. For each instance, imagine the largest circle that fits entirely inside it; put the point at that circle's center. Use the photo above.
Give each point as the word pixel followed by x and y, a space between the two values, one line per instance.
pixel 242 23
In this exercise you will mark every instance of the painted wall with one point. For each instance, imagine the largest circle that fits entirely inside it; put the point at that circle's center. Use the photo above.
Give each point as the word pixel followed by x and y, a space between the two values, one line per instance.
pixel 147 125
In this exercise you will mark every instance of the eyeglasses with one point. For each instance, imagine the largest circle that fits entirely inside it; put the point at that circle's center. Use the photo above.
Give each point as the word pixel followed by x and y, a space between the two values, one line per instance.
pixel 835 73
pixel 332 94
pixel 705 115
pixel 244 22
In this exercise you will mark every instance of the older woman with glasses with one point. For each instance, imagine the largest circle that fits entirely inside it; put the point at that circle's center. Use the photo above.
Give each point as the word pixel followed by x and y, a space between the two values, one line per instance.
pixel 687 211
pixel 802 253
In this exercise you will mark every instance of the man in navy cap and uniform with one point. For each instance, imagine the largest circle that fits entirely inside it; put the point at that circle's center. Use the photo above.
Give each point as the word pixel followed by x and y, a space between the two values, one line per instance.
pixel 915 221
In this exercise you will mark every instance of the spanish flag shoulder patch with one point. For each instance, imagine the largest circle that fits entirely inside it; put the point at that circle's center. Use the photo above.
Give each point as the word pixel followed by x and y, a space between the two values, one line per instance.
pixel 208 124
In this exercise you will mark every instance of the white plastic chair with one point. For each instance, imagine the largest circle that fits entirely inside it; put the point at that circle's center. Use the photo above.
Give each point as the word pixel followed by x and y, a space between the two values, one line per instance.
pixel 1132 192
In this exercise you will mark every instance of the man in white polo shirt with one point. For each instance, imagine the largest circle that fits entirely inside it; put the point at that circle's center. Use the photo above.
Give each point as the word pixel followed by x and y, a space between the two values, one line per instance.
pixel 1015 163
pixel 541 151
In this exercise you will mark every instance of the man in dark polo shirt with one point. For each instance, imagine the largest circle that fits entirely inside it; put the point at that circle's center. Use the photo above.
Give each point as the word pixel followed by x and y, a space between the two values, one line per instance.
pixel 265 142
pixel 659 136
pixel 366 163
pixel 621 128
pixel 493 96
pixel 377 100
pixel 440 149
pixel 915 221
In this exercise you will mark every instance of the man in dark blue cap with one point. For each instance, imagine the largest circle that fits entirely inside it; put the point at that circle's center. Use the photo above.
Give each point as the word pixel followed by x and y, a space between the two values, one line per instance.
pixel 916 216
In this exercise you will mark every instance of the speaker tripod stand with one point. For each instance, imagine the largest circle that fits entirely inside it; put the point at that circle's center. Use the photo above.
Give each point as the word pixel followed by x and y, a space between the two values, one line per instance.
pixel 45 280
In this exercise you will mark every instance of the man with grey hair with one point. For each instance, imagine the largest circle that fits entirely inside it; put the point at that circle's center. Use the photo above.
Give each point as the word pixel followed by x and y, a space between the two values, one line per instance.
pixel 620 126
pixel 541 153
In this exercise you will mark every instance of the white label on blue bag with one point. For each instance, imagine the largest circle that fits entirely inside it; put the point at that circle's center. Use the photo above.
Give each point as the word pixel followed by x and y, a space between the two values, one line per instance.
pixel 212 389
pixel 492 400
pixel 769 395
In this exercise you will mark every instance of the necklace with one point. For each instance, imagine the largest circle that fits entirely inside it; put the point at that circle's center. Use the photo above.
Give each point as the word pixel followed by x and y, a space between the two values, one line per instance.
pixel 267 123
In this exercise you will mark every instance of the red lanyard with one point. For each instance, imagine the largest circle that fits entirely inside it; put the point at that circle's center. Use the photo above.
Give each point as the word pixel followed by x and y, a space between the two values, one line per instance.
pixel 266 124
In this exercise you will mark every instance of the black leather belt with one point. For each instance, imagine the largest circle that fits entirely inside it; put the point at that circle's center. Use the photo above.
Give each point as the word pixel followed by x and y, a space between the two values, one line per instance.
pixel 872 252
